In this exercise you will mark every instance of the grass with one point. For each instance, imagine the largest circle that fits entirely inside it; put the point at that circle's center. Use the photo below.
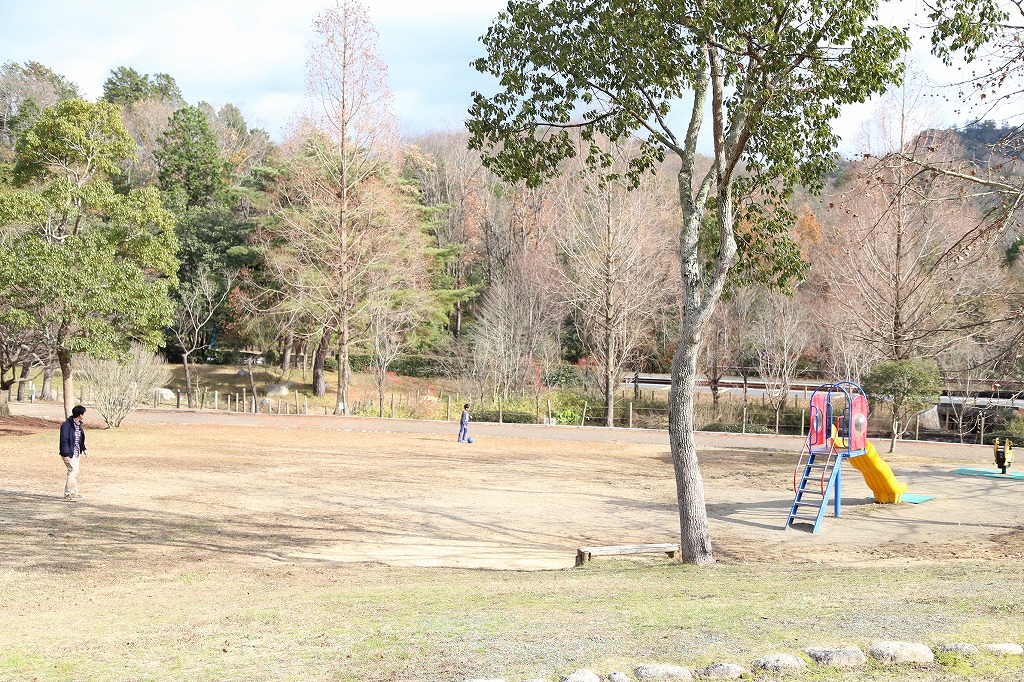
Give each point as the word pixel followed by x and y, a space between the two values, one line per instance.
pixel 163 573
pixel 370 622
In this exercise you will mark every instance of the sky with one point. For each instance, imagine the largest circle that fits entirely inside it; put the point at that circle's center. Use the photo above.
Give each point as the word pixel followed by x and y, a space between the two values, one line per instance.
pixel 252 53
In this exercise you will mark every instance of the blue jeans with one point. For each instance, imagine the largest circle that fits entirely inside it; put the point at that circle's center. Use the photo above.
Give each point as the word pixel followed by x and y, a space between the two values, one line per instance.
pixel 463 432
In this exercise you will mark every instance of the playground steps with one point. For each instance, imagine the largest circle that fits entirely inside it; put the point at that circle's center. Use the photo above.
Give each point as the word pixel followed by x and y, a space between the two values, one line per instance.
pixel 814 487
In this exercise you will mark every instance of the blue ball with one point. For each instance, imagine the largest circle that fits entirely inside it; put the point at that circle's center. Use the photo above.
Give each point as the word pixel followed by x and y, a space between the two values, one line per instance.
pixel 469 440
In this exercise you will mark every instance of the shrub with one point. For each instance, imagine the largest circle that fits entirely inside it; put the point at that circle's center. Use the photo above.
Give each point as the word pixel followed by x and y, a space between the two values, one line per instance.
pixel 119 387
pixel 507 416
pixel 728 427
pixel 330 364
pixel 417 366
pixel 568 376
pixel 359 361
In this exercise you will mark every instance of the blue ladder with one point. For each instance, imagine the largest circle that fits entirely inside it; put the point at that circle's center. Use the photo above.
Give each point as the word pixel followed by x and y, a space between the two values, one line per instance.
pixel 821 481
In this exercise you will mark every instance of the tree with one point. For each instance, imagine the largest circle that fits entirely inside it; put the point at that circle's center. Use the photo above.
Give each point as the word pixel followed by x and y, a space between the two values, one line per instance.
pixel 329 271
pixel 729 344
pixel 125 86
pixel 615 270
pixel 783 337
pixel 88 268
pixel 900 262
pixel 342 221
pixel 188 158
pixel 906 386
pixel 25 90
pixel 197 303
pixel 964 370
pixel 988 35
pixel 392 319
pixel 454 183
pixel 146 121
pixel 775 75
pixel 19 346
pixel 519 318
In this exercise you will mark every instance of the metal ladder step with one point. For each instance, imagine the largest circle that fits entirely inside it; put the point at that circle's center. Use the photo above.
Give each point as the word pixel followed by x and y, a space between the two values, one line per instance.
pixel 815 479
pixel 802 518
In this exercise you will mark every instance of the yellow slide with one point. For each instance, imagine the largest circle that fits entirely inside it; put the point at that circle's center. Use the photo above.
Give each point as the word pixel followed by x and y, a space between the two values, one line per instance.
pixel 879 477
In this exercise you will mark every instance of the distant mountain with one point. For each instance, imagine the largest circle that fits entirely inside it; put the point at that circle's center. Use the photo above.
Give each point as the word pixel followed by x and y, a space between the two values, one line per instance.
pixel 988 141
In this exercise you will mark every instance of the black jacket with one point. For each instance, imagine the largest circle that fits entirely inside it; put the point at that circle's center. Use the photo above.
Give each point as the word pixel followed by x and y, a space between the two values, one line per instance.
pixel 67 438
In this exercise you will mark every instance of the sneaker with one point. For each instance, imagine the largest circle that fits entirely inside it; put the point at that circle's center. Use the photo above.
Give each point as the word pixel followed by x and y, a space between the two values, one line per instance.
pixel 71 498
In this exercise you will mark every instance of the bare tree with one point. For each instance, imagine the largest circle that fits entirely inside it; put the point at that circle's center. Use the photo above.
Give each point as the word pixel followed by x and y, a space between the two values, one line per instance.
pixel 391 322
pixel 343 223
pixel 198 302
pixel 518 321
pixel 904 245
pixel 728 342
pixel 782 329
pixel 965 369
pixel 615 270
pixel 146 120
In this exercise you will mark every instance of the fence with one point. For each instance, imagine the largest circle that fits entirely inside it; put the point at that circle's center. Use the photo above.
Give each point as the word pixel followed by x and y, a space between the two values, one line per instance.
pixel 642 410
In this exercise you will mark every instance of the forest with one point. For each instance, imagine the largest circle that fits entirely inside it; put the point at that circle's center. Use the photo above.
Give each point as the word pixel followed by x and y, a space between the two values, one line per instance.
pixel 142 223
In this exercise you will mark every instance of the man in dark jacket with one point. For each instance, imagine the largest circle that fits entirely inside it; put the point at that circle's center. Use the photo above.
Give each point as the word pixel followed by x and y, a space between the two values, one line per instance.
pixel 72 449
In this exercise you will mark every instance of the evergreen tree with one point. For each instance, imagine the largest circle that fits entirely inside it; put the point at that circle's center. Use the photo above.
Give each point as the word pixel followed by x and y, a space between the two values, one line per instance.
pixel 187 155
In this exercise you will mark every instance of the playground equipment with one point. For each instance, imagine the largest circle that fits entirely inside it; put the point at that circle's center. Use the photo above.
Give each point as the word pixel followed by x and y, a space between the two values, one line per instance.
pixel 838 431
pixel 1003 453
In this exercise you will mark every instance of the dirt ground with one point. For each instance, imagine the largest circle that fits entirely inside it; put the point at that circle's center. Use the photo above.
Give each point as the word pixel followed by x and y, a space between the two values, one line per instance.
pixel 252 489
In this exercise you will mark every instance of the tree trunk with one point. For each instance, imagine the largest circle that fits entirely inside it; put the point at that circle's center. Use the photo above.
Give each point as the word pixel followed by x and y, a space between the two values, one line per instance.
pixel 5 395
pixel 695 538
pixel 895 432
pixel 64 358
pixel 188 380
pixel 286 356
pixel 319 382
pixel 341 404
pixel 48 393
pixel 609 394
pixel 252 379
pixel 26 367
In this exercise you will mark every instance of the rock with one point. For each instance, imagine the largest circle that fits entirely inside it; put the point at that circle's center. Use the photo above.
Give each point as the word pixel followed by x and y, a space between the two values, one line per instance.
pixel 962 648
pixel 582 675
pixel 778 663
pixel 618 677
pixel 901 652
pixel 1007 649
pixel 162 394
pixel 660 671
pixel 722 671
pixel 847 657
pixel 278 390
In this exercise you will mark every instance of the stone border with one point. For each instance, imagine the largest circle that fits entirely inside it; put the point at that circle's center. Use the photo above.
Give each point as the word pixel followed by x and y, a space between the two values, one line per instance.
pixel 888 653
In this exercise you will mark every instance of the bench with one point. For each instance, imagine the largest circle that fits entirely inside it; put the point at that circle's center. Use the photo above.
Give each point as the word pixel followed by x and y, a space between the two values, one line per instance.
pixel 585 554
